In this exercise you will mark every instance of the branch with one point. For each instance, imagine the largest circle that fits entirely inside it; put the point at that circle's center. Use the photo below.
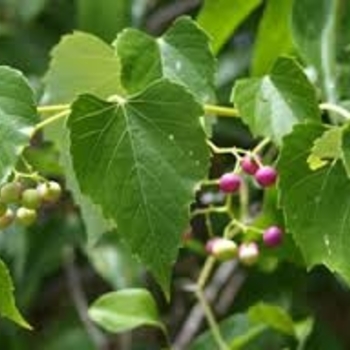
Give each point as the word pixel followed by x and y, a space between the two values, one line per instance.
pixel 79 300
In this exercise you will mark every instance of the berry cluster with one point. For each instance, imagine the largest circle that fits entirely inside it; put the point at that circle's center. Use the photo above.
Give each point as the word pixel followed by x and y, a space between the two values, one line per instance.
pixel 246 252
pixel 20 204
pixel 264 175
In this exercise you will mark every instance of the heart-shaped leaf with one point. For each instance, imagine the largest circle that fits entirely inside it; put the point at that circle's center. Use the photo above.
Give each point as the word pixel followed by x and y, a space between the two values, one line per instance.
pixel 81 63
pixel 182 55
pixel 271 105
pixel 146 154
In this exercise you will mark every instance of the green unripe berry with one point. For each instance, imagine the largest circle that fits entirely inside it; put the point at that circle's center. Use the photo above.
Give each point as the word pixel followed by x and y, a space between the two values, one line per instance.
pixel 50 191
pixel 11 192
pixel 3 208
pixel 6 219
pixel 31 199
pixel 25 216
pixel 222 248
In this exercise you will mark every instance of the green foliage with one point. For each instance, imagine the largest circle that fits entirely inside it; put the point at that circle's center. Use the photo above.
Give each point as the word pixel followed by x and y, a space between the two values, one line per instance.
pixel 18 117
pixel 220 18
pixel 251 330
pixel 323 194
pixel 150 164
pixel 326 148
pixel 128 143
pixel 273 38
pixel 125 310
pixel 272 316
pixel 104 18
pixel 182 55
pixel 7 302
pixel 81 63
pixel 271 105
pixel 313 27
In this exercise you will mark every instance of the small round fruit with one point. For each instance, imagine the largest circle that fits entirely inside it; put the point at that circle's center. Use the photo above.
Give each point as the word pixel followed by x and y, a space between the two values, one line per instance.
pixel 3 208
pixel 31 198
pixel 230 182
pixel 249 165
pixel 50 191
pixel 26 216
pixel 273 236
pixel 222 248
pixel 11 192
pixel 266 176
pixel 6 219
pixel 248 253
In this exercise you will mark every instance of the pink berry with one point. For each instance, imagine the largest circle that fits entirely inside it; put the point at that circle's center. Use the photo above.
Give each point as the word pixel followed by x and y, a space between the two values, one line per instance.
pixel 266 176
pixel 249 165
pixel 230 182
pixel 248 253
pixel 272 236
pixel 221 248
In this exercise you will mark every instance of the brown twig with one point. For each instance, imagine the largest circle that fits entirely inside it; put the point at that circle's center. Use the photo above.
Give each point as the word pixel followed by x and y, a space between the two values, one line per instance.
pixel 79 300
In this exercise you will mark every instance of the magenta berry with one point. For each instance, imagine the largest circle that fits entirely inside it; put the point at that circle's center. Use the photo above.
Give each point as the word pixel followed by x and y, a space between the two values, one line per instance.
pixel 272 236
pixel 248 253
pixel 221 248
pixel 266 176
pixel 230 182
pixel 249 165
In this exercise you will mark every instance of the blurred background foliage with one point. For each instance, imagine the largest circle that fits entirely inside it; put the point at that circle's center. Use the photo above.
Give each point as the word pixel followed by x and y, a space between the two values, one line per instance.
pixel 54 271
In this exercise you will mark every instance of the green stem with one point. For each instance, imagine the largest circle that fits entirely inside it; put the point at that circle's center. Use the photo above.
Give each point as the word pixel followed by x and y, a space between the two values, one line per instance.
pixel 214 327
pixel 244 201
pixel 221 111
pixel 335 108
pixel 261 145
pixel 52 108
pixel 52 119
pixel 209 225
pixel 204 211
pixel 206 271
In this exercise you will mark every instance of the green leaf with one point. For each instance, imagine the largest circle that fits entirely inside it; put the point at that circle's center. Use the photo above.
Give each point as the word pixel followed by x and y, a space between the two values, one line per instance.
pixel 17 117
pixel 146 154
pixel 274 35
pixel 326 148
pixel 104 18
pixel 136 51
pixel 182 54
pixel 271 105
pixel 125 310
pixel 313 26
pixel 94 221
pixel 235 327
pixel 220 18
pixel 310 198
pixel 7 302
pixel 272 316
pixel 113 262
pixel 81 63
